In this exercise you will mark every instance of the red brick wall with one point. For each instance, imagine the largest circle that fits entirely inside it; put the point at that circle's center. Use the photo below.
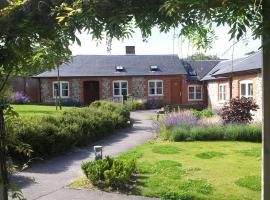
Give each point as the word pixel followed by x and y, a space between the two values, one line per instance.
pixel 167 84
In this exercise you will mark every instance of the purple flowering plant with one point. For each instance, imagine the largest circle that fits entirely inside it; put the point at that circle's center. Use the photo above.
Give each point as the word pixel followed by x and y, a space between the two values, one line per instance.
pixel 185 119
pixel 19 97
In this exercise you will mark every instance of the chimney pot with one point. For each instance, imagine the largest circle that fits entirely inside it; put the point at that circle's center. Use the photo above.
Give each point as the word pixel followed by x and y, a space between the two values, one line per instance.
pixel 130 50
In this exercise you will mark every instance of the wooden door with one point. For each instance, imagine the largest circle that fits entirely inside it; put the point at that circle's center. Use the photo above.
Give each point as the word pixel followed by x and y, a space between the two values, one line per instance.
pixel 91 91
pixel 175 92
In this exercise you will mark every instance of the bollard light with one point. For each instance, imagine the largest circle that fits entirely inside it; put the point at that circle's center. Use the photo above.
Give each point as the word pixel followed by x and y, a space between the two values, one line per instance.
pixel 98 152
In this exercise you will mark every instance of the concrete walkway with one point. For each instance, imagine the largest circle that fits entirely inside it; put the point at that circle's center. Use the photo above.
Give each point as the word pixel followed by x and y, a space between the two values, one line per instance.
pixel 48 180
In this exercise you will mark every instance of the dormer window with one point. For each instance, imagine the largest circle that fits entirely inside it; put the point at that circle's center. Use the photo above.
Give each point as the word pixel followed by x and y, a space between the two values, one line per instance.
pixel 154 68
pixel 119 68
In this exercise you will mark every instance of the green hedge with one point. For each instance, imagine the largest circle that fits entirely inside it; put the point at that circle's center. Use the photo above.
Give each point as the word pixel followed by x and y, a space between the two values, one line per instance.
pixel 235 132
pixel 53 135
pixel 109 172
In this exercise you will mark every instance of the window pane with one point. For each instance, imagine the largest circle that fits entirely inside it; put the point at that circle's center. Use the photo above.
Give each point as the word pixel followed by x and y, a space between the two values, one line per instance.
pixel 124 84
pixel 198 95
pixel 151 84
pixel 198 89
pixel 159 84
pixel 116 91
pixel 116 84
pixel 151 90
pixel 243 89
pixel 159 90
pixel 191 89
pixel 56 91
pixel 191 95
pixel 124 91
pixel 65 93
pixel 64 86
pixel 250 89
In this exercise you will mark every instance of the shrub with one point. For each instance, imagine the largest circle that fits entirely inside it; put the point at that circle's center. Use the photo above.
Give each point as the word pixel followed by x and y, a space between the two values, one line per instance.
pixel 94 170
pixel 235 132
pixel 110 172
pixel 53 135
pixel 120 173
pixel 238 110
pixel 203 113
pixel 184 118
pixel 242 132
pixel 214 121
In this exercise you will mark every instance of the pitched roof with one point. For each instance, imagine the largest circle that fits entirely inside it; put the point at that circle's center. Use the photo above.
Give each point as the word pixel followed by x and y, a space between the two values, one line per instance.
pixel 249 63
pixel 197 69
pixel 105 65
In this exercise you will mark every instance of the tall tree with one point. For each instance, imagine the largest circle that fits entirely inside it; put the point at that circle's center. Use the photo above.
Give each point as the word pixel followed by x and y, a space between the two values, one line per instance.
pixel 36 34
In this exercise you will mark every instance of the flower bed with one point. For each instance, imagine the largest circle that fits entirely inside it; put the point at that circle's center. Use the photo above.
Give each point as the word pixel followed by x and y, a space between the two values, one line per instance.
pixel 187 126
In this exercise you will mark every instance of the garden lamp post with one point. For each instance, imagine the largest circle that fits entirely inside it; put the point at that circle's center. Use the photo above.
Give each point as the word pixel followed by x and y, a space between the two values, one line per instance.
pixel 98 152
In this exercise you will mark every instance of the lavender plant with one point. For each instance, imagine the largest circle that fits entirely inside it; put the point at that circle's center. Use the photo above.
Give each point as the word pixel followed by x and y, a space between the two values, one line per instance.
pixel 186 119
pixel 20 98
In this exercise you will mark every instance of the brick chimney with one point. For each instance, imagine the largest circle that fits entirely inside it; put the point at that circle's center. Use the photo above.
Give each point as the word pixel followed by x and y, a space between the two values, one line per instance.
pixel 130 50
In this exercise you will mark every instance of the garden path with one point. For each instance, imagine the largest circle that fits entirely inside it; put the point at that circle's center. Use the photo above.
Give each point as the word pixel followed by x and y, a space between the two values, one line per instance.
pixel 47 180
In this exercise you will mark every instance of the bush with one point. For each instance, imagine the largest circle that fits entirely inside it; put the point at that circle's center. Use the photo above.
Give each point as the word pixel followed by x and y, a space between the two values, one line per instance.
pixel 203 113
pixel 53 135
pixel 236 132
pixel 110 172
pixel 94 170
pixel 238 110
pixel 243 132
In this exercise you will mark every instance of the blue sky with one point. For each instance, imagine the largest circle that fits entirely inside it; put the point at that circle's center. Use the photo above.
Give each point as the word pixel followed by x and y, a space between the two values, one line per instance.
pixel 161 43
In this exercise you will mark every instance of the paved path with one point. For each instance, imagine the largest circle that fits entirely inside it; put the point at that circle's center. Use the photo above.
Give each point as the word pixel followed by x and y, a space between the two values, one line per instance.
pixel 48 180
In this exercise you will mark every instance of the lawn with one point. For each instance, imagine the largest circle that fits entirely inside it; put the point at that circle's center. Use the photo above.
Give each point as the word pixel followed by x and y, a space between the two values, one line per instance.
pixel 27 110
pixel 196 170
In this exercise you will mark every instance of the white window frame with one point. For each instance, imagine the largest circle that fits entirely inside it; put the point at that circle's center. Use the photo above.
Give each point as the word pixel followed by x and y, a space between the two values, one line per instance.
pixel 246 82
pixel 60 91
pixel 120 87
pixel 195 86
pixel 224 92
pixel 155 87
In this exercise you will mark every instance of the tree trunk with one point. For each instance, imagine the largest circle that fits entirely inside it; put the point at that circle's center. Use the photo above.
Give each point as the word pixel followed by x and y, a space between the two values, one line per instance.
pixel 3 156
pixel 266 101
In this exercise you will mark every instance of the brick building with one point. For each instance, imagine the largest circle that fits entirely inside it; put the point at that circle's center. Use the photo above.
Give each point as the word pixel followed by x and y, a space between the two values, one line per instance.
pixel 237 78
pixel 164 77
pixel 91 77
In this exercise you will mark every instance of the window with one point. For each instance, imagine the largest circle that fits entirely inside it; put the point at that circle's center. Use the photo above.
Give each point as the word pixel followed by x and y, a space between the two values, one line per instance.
pixel 194 92
pixel 120 88
pixel 63 90
pixel 155 88
pixel 222 92
pixel 246 88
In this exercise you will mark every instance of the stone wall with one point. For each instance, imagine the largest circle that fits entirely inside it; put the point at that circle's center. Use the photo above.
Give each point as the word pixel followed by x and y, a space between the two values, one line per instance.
pixel 46 94
pixel 106 88
pixel 138 87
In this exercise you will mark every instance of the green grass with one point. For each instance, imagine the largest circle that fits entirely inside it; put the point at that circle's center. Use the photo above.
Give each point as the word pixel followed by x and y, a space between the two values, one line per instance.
pixel 30 110
pixel 231 171
pixel 209 154
pixel 250 182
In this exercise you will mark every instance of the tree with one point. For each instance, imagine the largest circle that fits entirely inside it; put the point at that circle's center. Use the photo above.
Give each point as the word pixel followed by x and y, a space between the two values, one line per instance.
pixel 201 56
pixel 37 34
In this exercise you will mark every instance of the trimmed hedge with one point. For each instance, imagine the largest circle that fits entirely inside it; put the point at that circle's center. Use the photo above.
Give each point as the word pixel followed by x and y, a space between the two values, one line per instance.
pixel 52 135
pixel 109 172
pixel 235 132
